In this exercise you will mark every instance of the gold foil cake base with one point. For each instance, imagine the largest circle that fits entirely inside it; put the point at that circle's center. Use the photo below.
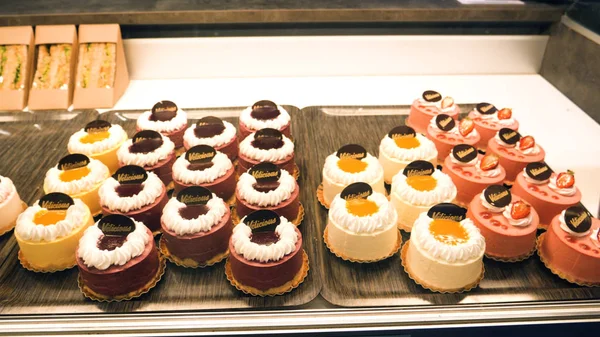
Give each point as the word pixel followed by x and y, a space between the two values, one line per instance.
pixel 187 262
pixel 512 259
pixel 346 258
pixel 38 269
pixel 321 197
pixel 12 225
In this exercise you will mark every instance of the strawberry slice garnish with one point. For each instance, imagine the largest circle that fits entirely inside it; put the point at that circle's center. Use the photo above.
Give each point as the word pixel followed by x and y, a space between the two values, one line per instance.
pixel 565 179
pixel 505 113
pixel 466 126
pixel 520 210
pixel 447 102
pixel 489 162
pixel 526 142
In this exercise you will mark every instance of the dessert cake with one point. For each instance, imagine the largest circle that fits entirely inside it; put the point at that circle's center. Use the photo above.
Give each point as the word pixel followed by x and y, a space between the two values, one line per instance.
pixel 514 152
pixel 150 150
pixel 265 186
pixel 507 223
pixel 547 192
pixel 48 232
pixel 80 177
pixel 264 114
pixel 428 106
pixel 166 118
pixel 419 187
pixel 118 260
pixel 10 205
pixel 401 146
pixel 265 255
pixel 472 172
pixel 361 225
pixel 571 246
pixel 445 250
pixel 202 165
pixel 446 133
pixel 196 227
pixel 138 194
pixel 267 145
pixel 99 140
pixel 489 120
pixel 350 164
pixel 214 132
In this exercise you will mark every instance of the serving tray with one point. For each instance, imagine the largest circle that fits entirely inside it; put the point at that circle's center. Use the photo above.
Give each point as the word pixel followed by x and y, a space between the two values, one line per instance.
pixel 385 283
pixel 32 152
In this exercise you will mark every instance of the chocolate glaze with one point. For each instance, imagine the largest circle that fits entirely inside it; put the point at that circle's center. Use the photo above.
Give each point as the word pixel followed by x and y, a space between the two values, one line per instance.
pixel 230 149
pixel 162 169
pixel 176 136
pixel 200 166
pixel 193 211
pixel 149 215
pixel 267 143
pixel 265 110
pixel 245 131
pixel 145 146
pixel 265 238
pixel 223 187
pixel 245 163
pixel 266 186
pixel 109 242
pixel 264 276
pixel 120 280
pixel 208 130
pixel 129 190
pixel 163 115
pixel 288 208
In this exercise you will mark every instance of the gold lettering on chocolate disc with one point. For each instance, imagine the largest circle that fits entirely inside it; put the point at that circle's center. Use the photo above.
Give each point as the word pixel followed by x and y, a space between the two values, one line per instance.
pixel 108 227
pixel 361 195
pixel 578 220
pixel 350 155
pixel 187 199
pixel 196 156
pixel 440 215
pixel 509 135
pixel 263 174
pixel 497 196
pixel 399 135
pixel 411 173
pixel 445 122
pixel 253 224
pixel 122 177
pixel 536 172
pixel 98 130
pixel 139 139
pixel 486 108
pixel 463 153
pixel 168 109
pixel 70 166
pixel 55 205
pixel 432 96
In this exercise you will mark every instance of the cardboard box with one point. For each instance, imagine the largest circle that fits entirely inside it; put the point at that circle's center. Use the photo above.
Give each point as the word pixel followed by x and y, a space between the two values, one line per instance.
pixel 106 97
pixel 17 99
pixel 54 98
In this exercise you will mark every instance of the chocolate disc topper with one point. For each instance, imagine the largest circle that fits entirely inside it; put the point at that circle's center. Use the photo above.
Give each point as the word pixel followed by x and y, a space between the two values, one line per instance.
pixel 164 111
pixel 432 96
pixel 445 122
pixel 486 108
pixel 194 195
pixel 73 161
pixel 356 191
pixel 208 127
pixel 578 219
pixel 262 221
pixel 497 195
pixel 539 171
pixel 402 131
pixel 130 174
pixel 464 153
pixel 509 136
pixel 200 154
pixel 419 168
pixel 146 135
pixel 447 211
pixel 116 225
pixel 265 110
pixel 146 141
pixel 268 139
pixel 97 126
pixel 354 151
pixel 265 172
pixel 56 201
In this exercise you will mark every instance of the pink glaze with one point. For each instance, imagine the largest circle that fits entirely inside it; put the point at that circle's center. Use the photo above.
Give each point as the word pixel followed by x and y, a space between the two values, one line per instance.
pixel 577 258
pixel 547 202
pixel 468 181
pixel 421 115
pixel 445 141
pixel 488 128
pixel 502 239
pixel 513 160
pixel 245 131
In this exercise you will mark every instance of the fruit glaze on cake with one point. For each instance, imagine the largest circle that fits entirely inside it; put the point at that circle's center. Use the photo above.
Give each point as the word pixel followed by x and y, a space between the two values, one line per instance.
pixel 117 258
pixel 80 177
pixel 214 132
pixel 362 225
pixel 489 120
pixel 514 152
pixel 446 133
pixel 350 164
pixel 133 192
pixel 266 255
pixel 167 119
pixel 445 250
pixel 419 187
pixel 150 150
pixel 402 146
pixel 265 186
pixel 196 227
pixel 507 223
pixel 547 192
pixel 10 205
pixel 266 145
pixel 202 165
pixel 262 115
pixel 472 172
pixel 48 232
pixel 428 106
pixel 99 140
pixel 571 246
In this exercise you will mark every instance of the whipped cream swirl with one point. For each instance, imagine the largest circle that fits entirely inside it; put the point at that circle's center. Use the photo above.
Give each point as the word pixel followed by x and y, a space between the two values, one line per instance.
pixel 568 192
pixel 270 155
pixel 256 124
pixel 489 206
pixel 98 173
pixel 225 137
pixel 382 219
pixel 370 174
pixel 493 173
pixel 444 191
pixel 425 150
pixel 517 222
pixel 102 259
pixel 594 237
pixel 241 239
pixel 145 159
pixel 76 216
pixel 7 188
pixel 152 189
pixel 174 222
pixel 174 124
pixel 181 173
pixel 454 131
pixel 116 136
pixel 530 151
pixel 246 191
pixel 564 227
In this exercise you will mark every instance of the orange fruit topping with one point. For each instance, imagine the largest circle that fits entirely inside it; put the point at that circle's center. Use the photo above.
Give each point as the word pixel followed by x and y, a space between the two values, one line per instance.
pixel 46 217
pixel 448 232
pixel 94 137
pixel 421 183
pixel 407 142
pixel 361 207
pixel 74 174
pixel 351 165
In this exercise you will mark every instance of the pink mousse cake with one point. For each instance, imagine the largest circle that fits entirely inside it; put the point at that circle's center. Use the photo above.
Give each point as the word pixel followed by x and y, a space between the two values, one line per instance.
pixel 489 120
pixel 445 133
pixel 428 106
pixel 514 152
